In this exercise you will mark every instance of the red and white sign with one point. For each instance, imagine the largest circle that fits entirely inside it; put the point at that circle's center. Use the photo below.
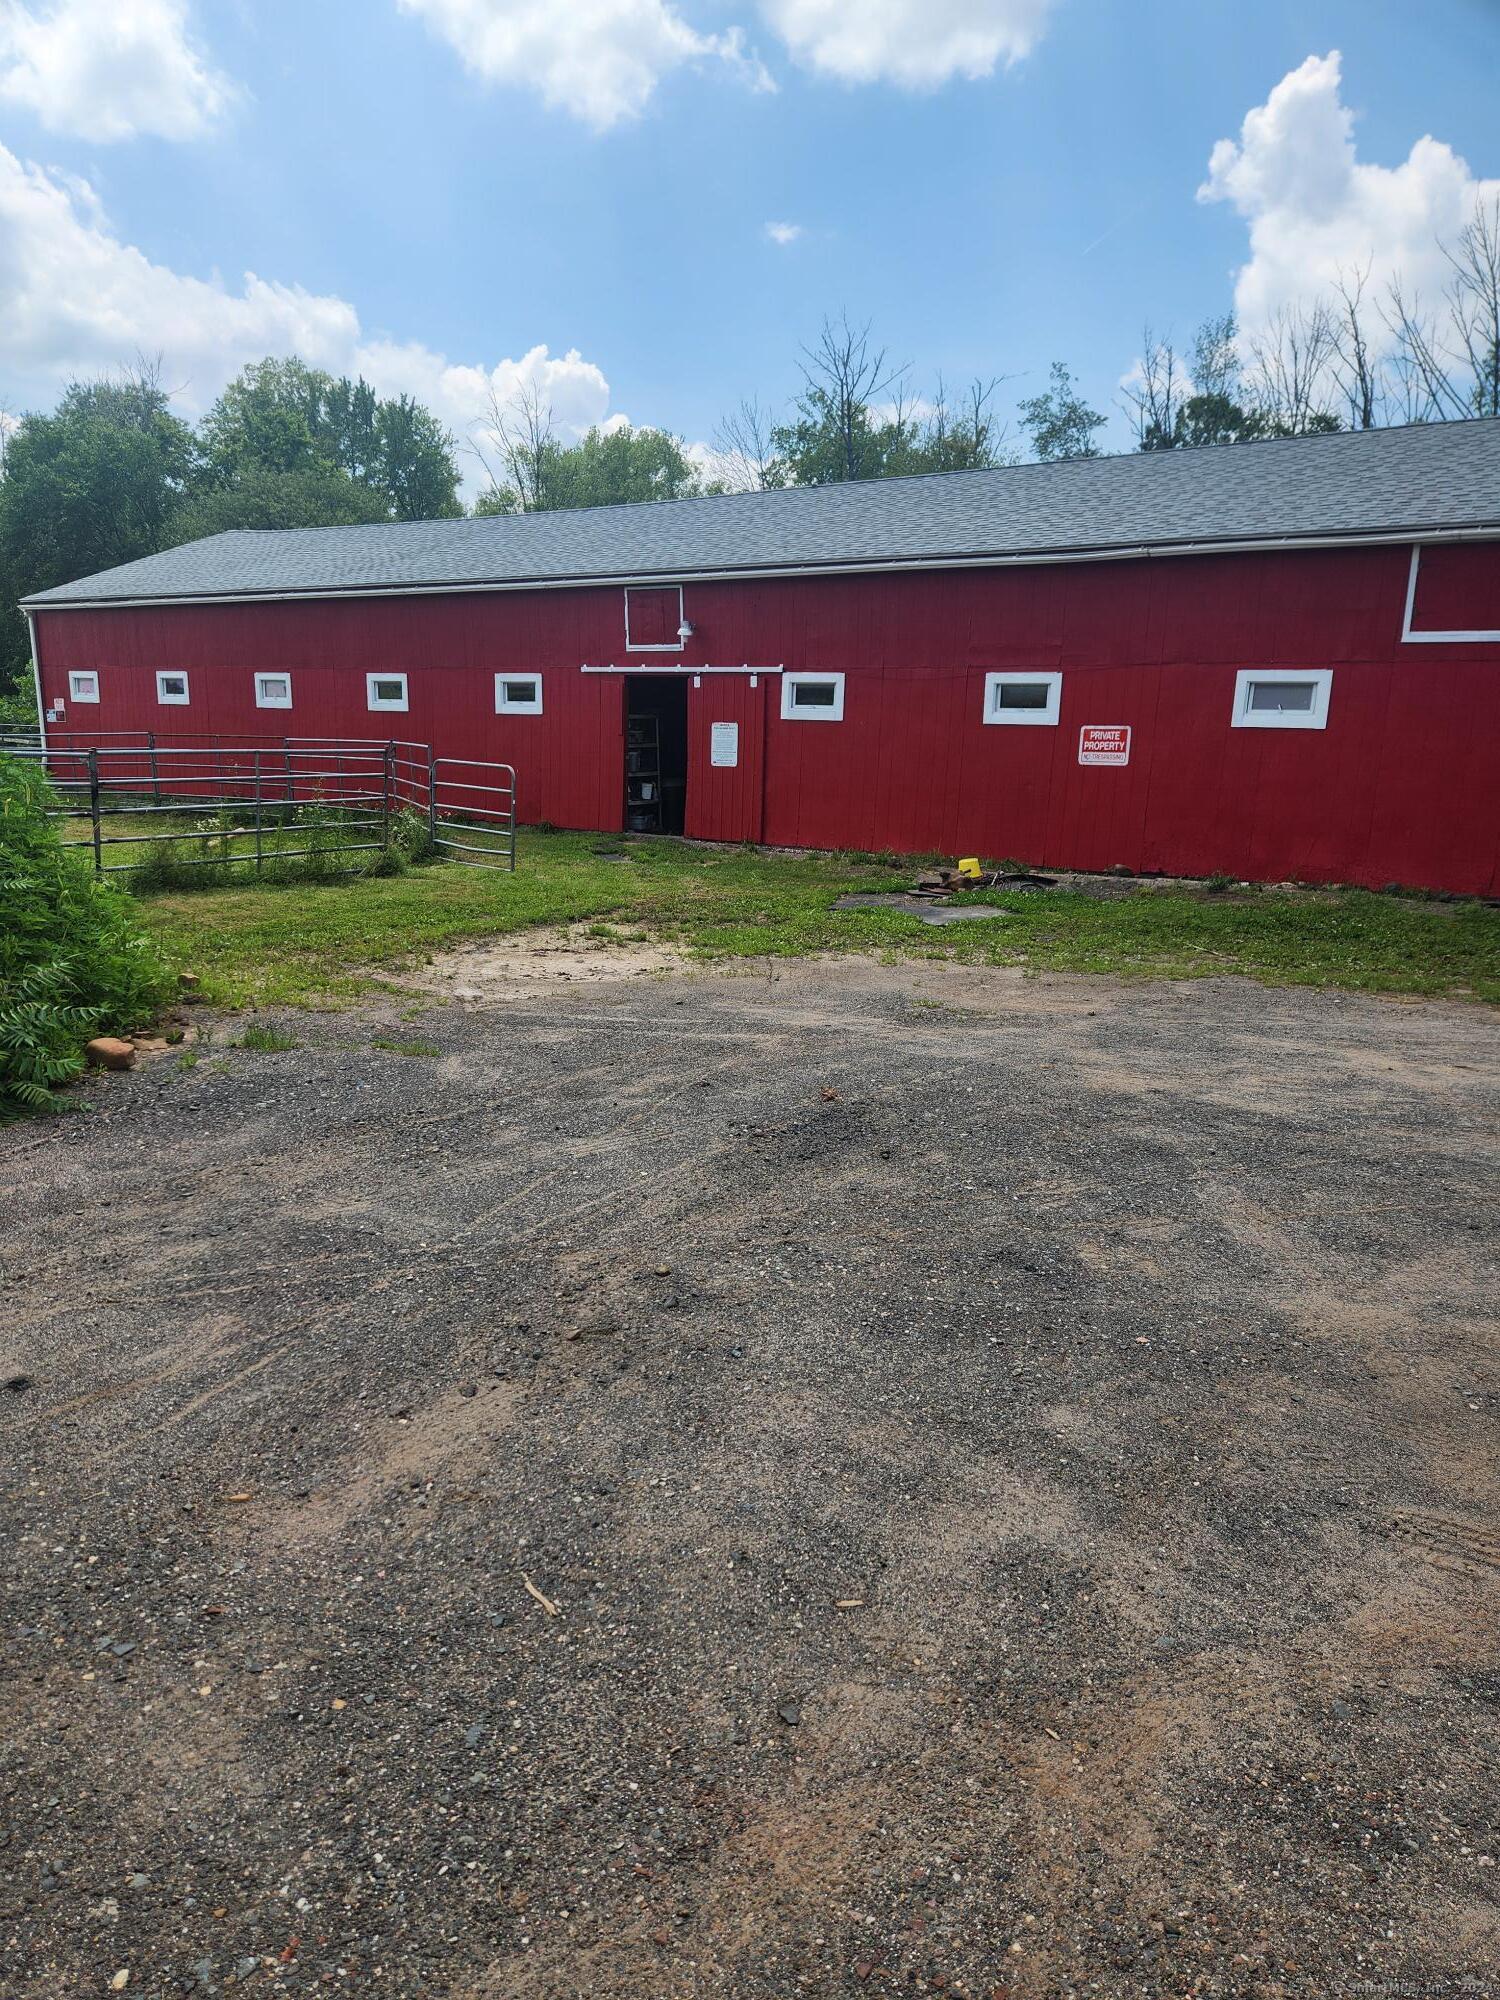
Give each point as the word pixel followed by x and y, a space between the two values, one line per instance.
pixel 1104 743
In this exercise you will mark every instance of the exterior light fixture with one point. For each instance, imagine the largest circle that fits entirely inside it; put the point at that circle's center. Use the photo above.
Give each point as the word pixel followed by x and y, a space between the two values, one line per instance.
pixel 685 630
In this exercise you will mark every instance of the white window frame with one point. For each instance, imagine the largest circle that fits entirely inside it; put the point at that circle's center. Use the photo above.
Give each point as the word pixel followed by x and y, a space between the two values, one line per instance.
pixel 166 700
pixel 790 712
pixel 1034 718
pixel 83 685
pixel 1411 638
pixel 379 706
pixel 264 700
pixel 503 703
pixel 1320 679
pixel 656 645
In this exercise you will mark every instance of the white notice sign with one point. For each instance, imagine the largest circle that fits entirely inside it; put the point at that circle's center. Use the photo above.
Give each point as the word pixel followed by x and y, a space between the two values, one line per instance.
pixel 724 744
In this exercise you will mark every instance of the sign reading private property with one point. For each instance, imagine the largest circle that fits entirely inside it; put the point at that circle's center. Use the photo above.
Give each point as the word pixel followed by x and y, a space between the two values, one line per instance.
pixel 1104 743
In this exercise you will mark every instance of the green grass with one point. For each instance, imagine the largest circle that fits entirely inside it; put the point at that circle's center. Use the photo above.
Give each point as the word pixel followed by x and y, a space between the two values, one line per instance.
pixel 311 945
pixel 406 1048
pixel 266 1041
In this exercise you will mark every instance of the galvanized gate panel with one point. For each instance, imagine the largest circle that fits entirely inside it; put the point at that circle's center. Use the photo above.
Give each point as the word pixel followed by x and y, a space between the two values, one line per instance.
pixel 472 811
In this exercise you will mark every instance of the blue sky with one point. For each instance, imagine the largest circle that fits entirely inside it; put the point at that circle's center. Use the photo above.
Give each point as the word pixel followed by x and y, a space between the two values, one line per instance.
pixel 436 189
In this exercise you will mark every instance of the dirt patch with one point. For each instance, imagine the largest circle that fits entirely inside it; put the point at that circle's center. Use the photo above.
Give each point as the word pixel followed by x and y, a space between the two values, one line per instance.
pixel 532 961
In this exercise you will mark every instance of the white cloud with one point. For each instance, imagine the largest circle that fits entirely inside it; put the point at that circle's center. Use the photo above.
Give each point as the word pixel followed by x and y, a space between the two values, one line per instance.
pixel 918 44
pixel 598 59
pixel 78 302
pixel 784 232
pixel 76 298
pixel 1315 210
pixel 602 59
pixel 109 69
pixel 463 395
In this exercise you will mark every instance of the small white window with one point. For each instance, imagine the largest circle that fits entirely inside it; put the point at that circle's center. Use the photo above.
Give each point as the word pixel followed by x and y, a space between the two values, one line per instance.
pixel 1027 698
pixel 1266 698
pixel 83 687
pixel 518 694
pixel 273 690
pixel 386 691
pixel 172 690
pixel 812 697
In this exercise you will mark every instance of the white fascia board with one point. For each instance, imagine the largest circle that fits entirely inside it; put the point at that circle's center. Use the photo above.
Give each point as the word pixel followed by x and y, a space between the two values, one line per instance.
pixel 36 676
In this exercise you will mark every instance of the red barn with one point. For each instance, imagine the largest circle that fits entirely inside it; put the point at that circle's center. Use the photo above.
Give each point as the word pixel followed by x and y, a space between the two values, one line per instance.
pixel 1271 660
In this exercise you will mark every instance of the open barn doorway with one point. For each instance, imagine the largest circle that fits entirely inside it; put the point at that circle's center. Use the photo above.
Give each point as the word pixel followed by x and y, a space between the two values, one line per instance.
pixel 656 753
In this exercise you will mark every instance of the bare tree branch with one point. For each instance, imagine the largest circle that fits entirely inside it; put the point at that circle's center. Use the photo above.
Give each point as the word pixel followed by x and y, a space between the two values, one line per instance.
pixel 1428 391
pixel 1156 398
pixel 1352 363
pixel 1289 370
pixel 843 374
pixel 1474 301
pixel 522 435
pixel 747 449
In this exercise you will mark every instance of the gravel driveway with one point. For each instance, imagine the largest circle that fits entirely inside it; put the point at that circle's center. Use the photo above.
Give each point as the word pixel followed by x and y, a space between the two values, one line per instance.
pixel 831 1481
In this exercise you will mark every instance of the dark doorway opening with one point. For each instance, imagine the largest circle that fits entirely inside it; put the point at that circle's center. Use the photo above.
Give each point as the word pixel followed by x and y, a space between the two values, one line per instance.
pixel 656 753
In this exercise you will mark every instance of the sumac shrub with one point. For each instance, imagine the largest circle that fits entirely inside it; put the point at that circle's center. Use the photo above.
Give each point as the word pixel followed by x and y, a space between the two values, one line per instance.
pixel 74 961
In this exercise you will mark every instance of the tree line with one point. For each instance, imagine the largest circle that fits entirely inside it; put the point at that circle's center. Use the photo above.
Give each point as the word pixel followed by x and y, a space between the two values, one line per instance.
pixel 112 473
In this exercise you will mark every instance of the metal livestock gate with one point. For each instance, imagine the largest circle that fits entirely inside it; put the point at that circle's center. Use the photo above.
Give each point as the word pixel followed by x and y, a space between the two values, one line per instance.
pixel 350 788
pixel 465 815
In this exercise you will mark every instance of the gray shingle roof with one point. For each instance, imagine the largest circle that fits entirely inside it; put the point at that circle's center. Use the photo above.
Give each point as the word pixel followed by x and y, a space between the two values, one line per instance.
pixel 1420 479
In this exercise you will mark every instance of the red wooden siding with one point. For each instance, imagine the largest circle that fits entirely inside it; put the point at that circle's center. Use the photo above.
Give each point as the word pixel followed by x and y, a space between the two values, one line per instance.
pixel 1400 787
pixel 727 802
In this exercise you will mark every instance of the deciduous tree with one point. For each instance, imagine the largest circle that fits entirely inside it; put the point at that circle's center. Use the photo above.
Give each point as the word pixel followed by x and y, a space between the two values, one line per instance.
pixel 533 471
pixel 1059 422
pixel 309 496
pixel 89 485
pixel 282 417
pixel 836 434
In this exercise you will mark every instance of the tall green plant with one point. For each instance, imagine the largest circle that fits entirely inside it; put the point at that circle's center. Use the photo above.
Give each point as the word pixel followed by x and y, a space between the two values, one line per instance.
pixel 73 958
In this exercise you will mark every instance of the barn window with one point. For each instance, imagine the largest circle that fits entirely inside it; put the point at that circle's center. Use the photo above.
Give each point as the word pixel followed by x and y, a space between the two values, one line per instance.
pixel 172 690
pixel 83 687
pixel 812 697
pixel 1025 698
pixel 518 694
pixel 1277 700
pixel 1453 595
pixel 386 691
pixel 273 690
pixel 653 618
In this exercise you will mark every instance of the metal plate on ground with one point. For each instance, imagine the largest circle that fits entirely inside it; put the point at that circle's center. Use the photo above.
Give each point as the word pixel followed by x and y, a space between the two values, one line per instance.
pixel 930 911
